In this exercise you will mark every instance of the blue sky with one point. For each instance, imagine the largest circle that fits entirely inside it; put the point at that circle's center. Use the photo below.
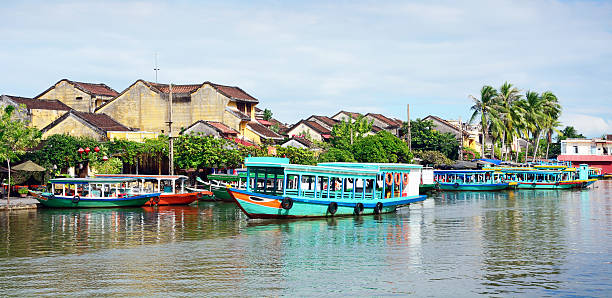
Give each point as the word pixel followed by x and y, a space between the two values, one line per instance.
pixel 303 58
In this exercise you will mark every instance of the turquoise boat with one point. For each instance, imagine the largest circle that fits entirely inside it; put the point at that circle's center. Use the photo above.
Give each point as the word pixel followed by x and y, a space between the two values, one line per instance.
pixel 330 189
pixel 93 193
pixel 548 178
pixel 470 180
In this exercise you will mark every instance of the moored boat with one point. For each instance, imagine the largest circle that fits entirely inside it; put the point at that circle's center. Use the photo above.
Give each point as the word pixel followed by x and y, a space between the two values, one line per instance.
pixel 219 183
pixel 171 188
pixel 548 178
pixel 92 193
pixel 330 189
pixel 470 180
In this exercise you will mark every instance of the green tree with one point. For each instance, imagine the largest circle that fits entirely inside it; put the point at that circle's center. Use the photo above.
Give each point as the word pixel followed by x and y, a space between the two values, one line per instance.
pixel 348 132
pixel 157 147
pixel 15 138
pixel 301 156
pixel 111 166
pixel 433 158
pixel 336 155
pixel 482 107
pixel 426 138
pixel 505 99
pixel 382 147
pixel 267 115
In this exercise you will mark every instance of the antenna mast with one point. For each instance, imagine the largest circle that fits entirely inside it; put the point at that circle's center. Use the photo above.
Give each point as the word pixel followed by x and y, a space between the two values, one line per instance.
pixel 156 69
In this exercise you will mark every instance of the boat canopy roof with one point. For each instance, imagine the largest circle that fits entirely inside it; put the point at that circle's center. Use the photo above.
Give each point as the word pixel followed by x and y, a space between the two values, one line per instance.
pixel 380 167
pixel 463 171
pixel 323 170
pixel 146 177
pixel 90 180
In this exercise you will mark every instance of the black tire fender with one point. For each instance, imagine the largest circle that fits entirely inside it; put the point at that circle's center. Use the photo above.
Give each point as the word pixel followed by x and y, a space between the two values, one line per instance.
pixel 358 208
pixel 378 208
pixel 76 199
pixel 456 185
pixel 287 203
pixel 332 208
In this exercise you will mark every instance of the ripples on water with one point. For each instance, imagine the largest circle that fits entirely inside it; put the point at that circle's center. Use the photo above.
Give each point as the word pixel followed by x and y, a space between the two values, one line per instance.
pixel 537 243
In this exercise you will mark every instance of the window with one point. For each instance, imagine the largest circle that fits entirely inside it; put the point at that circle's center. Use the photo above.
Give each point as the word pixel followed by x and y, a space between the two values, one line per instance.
pixel 79 98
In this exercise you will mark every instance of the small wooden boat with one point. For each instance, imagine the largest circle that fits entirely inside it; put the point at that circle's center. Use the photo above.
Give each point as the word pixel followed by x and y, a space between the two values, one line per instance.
pixel 470 180
pixel 92 193
pixel 171 187
pixel 219 183
pixel 330 189
pixel 541 177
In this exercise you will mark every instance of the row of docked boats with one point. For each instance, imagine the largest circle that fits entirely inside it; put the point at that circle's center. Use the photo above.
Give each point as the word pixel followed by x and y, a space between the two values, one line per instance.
pixel 499 178
pixel 121 190
pixel 272 187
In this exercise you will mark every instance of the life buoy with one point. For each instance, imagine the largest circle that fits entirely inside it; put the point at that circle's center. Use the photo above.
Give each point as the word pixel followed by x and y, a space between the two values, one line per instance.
pixel 389 179
pixel 76 199
pixel 332 208
pixel 456 185
pixel 156 200
pixel 405 179
pixel 397 178
pixel 287 203
pixel 199 195
pixel 358 208
pixel 378 208
pixel 557 183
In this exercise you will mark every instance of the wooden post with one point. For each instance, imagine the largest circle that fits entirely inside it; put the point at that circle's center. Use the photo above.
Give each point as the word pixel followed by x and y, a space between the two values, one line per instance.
pixel 460 139
pixel 171 157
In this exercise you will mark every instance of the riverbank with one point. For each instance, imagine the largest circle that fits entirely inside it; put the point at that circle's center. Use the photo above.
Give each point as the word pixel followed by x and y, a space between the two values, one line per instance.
pixel 18 203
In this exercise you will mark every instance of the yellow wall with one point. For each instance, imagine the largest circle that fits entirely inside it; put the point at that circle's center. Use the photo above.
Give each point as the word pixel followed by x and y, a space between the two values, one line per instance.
pixel 143 109
pixel 75 128
pixel 67 93
pixel 42 118
pixel 136 136
pixel 252 136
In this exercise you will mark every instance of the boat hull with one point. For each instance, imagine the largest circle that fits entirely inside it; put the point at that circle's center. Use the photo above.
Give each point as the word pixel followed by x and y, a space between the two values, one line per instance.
pixel 556 185
pixel 472 187
pixel 174 199
pixel 52 201
pixel 426 187
pixel 222 194
pixel 256 205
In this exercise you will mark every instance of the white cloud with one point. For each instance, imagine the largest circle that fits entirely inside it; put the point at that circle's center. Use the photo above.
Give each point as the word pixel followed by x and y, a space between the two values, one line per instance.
pixel 588 125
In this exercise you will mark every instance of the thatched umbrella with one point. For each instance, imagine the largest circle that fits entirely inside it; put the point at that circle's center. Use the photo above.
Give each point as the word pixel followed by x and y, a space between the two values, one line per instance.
pixel 29 166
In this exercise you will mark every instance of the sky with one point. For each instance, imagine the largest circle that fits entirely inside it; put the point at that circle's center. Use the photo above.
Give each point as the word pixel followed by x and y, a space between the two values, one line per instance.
pixel 319 57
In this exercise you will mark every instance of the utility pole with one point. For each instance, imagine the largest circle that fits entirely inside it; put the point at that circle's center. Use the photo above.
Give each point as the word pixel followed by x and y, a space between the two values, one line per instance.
pixel 171 151
pixel 461 139
pixel 408 136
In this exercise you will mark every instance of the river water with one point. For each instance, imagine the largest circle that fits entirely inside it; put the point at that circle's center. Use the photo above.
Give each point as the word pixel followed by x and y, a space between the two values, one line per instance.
pixel 510 243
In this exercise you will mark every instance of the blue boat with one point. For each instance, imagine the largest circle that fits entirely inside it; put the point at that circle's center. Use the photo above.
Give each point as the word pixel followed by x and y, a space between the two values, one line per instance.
pixel 470 180
pixel 277 189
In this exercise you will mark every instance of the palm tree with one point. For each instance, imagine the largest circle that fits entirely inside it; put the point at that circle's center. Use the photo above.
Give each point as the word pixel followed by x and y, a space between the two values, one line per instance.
pixel 520 123
pixel 552 109
pixel 533 116
pixel 506 96
pixel 483 107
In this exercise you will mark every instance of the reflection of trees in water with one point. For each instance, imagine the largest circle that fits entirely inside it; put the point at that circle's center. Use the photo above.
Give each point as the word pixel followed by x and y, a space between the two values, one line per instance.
pixel 44 231
pixel 523 242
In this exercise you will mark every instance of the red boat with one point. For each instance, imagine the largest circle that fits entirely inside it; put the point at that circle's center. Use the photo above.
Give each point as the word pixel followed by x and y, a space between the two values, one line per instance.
pixel 171 187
